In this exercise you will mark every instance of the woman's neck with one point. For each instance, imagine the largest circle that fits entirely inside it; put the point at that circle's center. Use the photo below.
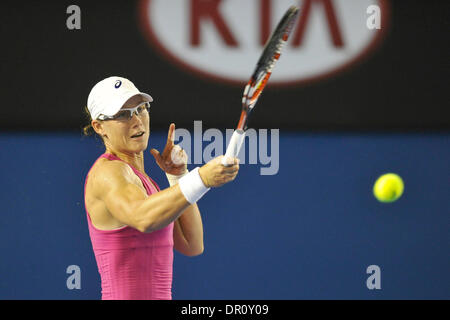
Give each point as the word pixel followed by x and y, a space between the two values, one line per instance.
pixel 135 159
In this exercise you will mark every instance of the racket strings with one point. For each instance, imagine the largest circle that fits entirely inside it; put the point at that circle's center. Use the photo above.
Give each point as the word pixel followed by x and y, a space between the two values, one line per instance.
pixel 266 63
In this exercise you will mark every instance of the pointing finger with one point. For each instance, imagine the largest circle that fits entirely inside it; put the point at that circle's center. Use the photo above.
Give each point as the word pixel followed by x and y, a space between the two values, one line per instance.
pixel 171 135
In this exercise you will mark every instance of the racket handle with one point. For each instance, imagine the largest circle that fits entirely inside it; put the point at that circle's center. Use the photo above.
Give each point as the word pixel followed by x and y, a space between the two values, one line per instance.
pixel 234 146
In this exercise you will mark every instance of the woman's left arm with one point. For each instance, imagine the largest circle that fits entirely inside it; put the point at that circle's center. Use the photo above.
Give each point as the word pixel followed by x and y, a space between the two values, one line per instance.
pixel 188 228
pixel 188 232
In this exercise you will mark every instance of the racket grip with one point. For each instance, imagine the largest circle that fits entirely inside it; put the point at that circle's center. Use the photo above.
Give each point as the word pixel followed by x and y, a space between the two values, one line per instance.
pixel 234 146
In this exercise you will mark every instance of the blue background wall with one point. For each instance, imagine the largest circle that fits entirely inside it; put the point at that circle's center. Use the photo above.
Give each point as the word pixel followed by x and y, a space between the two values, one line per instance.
pixel 308 232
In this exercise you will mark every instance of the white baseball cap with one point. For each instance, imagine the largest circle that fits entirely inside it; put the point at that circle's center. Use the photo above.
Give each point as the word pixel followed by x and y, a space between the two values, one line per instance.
pixel 109 95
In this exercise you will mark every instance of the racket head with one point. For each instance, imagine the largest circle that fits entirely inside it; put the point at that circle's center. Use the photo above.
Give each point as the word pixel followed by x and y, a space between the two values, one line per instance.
pixel 263 70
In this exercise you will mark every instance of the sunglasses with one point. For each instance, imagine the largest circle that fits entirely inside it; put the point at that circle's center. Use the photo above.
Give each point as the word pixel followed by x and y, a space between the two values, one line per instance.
pixel 127 114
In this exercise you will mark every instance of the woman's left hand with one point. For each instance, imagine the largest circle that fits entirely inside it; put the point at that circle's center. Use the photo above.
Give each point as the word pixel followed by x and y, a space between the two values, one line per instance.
pixel 173 160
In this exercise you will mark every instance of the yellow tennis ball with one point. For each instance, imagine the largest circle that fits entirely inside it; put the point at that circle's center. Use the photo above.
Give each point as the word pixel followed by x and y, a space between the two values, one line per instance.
pixel 388 187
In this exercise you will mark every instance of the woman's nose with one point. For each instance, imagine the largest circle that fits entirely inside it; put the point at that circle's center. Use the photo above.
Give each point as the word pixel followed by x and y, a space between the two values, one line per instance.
pixel 136 121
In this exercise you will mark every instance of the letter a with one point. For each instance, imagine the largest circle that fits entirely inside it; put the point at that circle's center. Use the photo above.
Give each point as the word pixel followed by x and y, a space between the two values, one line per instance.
pixel 374 20
pixel 74 281
pixel 74 20
pixel 374 281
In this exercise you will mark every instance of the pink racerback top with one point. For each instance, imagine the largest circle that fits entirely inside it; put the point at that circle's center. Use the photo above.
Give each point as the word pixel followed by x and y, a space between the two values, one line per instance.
pixel 133 265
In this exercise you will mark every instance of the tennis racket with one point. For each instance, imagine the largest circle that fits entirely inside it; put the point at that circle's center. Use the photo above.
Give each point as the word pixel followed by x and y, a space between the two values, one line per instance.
pixel 259 78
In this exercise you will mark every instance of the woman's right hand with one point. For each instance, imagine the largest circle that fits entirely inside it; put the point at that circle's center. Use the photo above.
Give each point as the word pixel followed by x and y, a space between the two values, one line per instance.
pixel 215 174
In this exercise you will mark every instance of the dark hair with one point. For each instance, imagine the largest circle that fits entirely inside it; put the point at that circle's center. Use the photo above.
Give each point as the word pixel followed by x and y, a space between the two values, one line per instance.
pixel 88 130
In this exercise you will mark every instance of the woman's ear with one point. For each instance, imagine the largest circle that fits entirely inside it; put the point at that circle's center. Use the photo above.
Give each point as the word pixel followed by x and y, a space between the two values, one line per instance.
pixel 98 128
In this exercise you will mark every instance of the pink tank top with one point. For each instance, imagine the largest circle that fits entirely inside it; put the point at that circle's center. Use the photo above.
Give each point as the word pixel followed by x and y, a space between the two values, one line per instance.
pixel 133 265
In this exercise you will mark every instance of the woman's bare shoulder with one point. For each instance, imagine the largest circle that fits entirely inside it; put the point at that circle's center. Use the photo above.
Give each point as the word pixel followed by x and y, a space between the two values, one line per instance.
pixel 105 174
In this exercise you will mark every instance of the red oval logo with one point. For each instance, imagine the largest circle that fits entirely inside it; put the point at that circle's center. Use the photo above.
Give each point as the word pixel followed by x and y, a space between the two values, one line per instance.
pixel 222 39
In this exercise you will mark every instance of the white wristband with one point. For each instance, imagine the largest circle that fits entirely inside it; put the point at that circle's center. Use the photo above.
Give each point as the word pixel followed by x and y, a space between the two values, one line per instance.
pixel 173 179
pixel 192 186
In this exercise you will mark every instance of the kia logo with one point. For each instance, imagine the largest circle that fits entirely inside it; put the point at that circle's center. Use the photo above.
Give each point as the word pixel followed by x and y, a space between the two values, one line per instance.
pixel 117 84
pixel 223 39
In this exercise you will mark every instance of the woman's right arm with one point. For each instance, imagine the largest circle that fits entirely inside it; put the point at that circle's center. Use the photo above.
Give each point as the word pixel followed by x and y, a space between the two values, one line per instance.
pixel 129 204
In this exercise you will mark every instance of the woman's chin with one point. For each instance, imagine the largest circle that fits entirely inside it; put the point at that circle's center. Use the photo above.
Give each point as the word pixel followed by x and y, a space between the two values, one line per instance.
pixel 137 146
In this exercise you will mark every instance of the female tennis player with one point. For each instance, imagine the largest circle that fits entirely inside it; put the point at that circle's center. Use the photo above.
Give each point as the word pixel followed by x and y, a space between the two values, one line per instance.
pixel 133 225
